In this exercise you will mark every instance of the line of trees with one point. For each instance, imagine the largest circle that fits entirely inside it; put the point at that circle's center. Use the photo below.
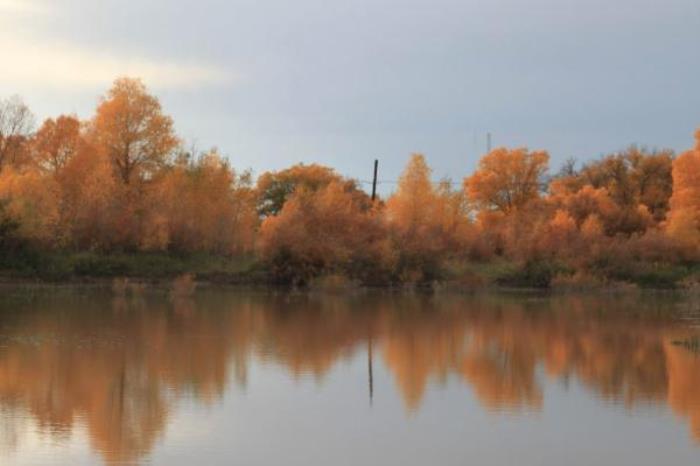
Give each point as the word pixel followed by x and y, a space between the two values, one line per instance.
pixel 123 181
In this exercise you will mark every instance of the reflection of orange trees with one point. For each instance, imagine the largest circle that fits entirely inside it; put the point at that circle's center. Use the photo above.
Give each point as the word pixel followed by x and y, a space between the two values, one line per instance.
pixel 308 335
pixel 419 345
pixel 497 347
pixel 683 368
pixel 121 380
pixel 120 369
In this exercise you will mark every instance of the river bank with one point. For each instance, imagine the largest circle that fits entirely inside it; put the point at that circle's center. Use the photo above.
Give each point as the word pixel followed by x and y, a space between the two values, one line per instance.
pixel 162 269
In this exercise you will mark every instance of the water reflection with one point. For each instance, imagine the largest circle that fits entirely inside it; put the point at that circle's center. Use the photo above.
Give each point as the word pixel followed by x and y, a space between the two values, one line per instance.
pixel 120 366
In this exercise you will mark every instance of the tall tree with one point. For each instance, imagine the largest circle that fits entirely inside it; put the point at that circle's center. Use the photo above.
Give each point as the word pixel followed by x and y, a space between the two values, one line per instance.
pixel 412 206
pixel 507 179
pixel 684 217
pixel 427 224
pixel 16 123
pixel 132 130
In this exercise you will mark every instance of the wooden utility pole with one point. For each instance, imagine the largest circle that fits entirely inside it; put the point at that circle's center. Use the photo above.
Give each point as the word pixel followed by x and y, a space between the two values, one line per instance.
pixel 374 180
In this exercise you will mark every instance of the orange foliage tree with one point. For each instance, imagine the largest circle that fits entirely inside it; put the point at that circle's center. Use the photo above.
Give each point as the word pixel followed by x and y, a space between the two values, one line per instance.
pixel 507 180
pixel 56 142
pixel 132 130
pixel 202 205
pixel 636 183
pixel 327 230
pixel 427 225
pixel 684 221
pixel 275 187
pixel 505 193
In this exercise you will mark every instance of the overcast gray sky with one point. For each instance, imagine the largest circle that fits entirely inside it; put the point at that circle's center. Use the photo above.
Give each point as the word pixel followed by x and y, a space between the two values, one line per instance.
pixel 276 82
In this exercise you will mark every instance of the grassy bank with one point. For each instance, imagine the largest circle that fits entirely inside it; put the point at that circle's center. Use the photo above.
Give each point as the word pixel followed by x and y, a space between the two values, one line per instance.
pixel 68 267
pixel 83 267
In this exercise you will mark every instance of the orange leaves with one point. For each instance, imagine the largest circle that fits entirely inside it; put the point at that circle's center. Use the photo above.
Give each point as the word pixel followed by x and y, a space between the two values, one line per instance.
pixel 56 142
pixel 684 218
pixel 327 229
pixel 107 185
pixel 427 225
pixel 507 180
pixel 202 206
pixel 31 202
pixel 411 209
pixel 273 188
pixel 112 184
pixel 686 181
pixel 132 130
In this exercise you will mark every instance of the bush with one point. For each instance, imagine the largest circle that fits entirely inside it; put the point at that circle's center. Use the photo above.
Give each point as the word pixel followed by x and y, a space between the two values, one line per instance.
pixel 15 252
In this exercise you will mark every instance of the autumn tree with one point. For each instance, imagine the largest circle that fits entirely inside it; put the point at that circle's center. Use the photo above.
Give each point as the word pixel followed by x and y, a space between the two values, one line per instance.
pixel 427 225
pixel 275 187
pixel 637 182
pixel 684 217
pixel 16 123
pixel 507 179
pixel 634 176
pixel 56 142
pixel 32 201
pixel 324 230
pixel 90 200
pixel 132 130
pixel 202 205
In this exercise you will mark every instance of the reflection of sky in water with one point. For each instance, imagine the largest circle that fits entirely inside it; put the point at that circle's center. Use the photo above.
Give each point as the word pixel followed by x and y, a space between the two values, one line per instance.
pixel 254 379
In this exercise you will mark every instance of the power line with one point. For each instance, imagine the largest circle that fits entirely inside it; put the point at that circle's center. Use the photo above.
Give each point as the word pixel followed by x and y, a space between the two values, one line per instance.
pixel 397 182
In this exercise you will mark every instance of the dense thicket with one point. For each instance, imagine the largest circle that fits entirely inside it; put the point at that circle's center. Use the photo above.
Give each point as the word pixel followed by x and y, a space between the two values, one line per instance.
pixel 123 182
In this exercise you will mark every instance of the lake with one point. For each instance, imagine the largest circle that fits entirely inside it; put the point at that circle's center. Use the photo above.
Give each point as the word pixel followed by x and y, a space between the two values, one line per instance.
pixel 262 378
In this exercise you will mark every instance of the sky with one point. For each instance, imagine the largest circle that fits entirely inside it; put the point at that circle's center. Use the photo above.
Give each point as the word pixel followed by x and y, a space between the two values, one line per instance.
pixel 272 83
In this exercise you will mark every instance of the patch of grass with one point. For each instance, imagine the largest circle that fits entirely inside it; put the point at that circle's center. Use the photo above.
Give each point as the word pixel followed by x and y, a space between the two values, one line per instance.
pixel 533 274
pixel 66 266
pixel 488 272
pixel 650 275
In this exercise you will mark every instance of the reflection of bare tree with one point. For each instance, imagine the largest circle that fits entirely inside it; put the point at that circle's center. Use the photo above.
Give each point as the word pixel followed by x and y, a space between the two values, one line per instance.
pixel 120 367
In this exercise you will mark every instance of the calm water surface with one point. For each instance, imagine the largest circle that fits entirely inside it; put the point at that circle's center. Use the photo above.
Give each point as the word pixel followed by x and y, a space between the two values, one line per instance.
pixel 254 378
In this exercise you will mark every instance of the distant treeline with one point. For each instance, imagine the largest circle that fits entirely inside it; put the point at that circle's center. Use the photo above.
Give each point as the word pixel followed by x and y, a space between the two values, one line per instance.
pixel 123 182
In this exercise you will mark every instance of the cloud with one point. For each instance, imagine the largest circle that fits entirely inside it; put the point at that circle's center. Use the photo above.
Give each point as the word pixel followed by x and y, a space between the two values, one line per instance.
pixel 23 7
pixel 31 58
pixel 66 65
